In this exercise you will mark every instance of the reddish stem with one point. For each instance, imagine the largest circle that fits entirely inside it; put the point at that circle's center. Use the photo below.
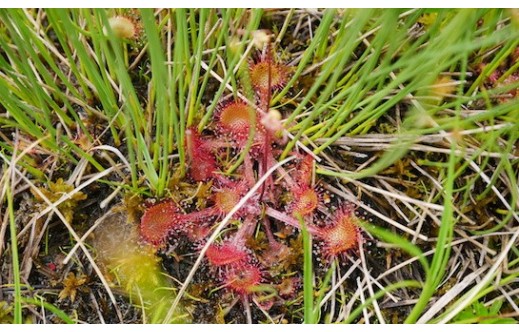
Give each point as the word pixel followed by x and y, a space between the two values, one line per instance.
pixel 271 212
pixel 245 230
pixel 266 108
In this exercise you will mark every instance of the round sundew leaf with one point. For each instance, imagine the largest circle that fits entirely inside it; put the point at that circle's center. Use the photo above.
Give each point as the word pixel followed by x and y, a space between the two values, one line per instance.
pixel 305 202
pixel 235 118
pixel 225 254
pixel 341 234
pixel 158 221
pixel 243 278
pixel 227 199
pixel 202 163
pixel 259 75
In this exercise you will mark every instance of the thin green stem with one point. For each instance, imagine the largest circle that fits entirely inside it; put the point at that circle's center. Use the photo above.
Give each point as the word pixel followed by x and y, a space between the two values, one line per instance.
pixel 15 263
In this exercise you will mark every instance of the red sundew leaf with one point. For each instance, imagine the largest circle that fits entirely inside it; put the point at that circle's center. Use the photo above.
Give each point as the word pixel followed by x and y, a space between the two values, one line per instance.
pixel 288 287
pixel 158 221
pixel 225 254
pixel 259 74
pixel 305 202
pixel 198 231
pixel 226 198
pixel 234 119
pixel 276 254
pixel 341 234
pixel 305 170
pixel 202 164
pixel 243 278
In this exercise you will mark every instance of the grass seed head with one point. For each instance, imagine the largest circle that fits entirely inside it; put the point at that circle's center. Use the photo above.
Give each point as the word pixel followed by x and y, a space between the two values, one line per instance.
pixel 272 122
pixel 260 38
pixel 123 27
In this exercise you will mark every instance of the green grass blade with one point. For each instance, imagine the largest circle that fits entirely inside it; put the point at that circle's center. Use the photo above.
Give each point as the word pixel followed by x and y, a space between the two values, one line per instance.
pixel 308 277
pixel 15 263
pixel 50 307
